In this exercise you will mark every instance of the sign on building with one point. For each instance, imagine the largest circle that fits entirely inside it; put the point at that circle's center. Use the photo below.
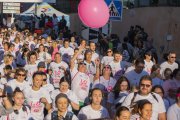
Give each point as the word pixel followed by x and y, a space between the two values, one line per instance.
pixel 11 7
pixel 29 1
pixel 115 9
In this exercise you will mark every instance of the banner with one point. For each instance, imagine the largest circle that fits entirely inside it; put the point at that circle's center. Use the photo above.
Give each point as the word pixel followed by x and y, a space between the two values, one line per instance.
pixel 115 9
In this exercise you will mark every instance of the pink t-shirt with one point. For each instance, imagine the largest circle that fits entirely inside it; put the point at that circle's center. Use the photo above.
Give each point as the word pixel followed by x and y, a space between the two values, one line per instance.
pixel 54 52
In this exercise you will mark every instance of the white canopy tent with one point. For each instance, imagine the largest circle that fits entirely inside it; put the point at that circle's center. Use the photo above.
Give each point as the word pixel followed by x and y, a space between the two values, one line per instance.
pixel 47 9
pixel 43 7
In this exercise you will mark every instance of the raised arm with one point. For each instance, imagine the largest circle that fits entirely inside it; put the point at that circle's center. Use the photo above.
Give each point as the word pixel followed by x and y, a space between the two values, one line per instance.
pixel 75 57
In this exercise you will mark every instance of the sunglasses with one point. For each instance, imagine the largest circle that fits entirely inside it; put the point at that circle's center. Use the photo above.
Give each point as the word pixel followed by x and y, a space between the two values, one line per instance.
pixel 173 57
pixel 145 85
pixel 44 79
pixel 107 67
pixel 21 75
pixel 16 112
pixel 82 63
pixel 109 51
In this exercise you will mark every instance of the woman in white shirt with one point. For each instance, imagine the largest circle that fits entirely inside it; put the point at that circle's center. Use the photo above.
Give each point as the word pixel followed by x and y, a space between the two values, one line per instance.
pixel 64 87
pixel 148 62
pixel 31 67
pixel 95 110
pixel 62 102
pixel 108 58
pixel 20 112
pixel 105 82
pixel 173 112
pixel 44 56
pixel 142 110
pixel 19 81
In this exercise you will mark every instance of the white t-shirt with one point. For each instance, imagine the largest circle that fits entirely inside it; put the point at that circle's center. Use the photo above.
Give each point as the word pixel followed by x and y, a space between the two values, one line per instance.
pixel 103 84
pixel 33 100
pixel 94 56
pixel 80 84
pixel 148 66
pixel 157 106
pixel 14 83
pixel 165 65
pixel 57 72
pixel 73 45
pixel 87 113
pixel 72 97
pixel 43 56
pixel 31 69
pixel 134 77
pixel 1 69
pixel 48 87
pixel 129 69
pixel 117 67
pixel 173 112
pixel 22 115
pixel 106 60
pixel 68 51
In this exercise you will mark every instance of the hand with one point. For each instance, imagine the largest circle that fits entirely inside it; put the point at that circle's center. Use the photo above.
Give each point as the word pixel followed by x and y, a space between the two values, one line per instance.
pixel 63 68
pixel 81 48
pixel 97 62
pixel 43 100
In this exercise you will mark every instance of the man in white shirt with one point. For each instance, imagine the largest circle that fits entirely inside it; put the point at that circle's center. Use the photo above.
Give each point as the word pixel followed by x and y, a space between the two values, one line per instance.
pixel 37 98
pixel 145 86
pixel 66 49
pixel 118 66
pixel 170 63
pixel 134 75
pixel 92 47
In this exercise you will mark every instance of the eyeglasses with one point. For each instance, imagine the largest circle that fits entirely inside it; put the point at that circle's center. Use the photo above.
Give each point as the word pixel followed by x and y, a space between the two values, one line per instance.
pixel 145 85
pixel 109 51
pixel 44 79
pixel 23 75
pixel 173 57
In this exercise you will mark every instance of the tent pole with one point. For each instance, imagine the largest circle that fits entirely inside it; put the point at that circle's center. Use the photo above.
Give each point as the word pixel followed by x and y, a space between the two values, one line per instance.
pixel 1 6
pixel 35 8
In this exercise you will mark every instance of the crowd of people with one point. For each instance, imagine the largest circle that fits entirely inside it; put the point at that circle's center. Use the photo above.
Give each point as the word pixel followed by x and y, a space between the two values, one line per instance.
pixel 67 78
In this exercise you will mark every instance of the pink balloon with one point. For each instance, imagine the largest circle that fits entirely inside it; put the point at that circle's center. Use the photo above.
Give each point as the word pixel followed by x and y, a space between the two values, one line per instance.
pixel 93 13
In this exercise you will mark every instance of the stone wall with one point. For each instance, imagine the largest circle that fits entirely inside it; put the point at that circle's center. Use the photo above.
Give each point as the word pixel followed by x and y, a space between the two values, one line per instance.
pixel 158 22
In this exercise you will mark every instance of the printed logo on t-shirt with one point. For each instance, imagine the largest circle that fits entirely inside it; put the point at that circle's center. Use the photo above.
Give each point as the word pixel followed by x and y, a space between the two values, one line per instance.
pixel 83 84
pixel 36 106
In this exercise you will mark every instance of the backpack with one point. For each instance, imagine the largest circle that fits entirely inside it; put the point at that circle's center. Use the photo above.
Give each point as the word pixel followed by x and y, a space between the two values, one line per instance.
pixel 54 116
